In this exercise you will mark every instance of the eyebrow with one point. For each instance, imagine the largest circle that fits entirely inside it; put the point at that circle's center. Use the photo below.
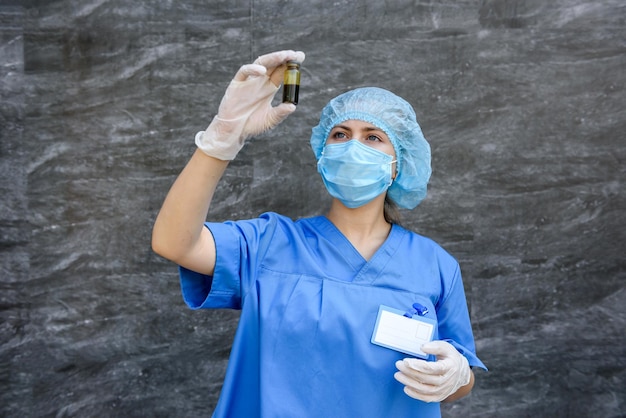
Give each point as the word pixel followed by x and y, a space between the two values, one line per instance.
pixel 368 129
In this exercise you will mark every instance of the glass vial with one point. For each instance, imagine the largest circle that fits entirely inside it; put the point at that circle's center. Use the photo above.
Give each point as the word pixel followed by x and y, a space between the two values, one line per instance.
pixel 291 84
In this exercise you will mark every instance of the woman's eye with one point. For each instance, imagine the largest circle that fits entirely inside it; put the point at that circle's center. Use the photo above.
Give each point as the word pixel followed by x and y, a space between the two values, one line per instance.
pixel 339 135
pixel 373 138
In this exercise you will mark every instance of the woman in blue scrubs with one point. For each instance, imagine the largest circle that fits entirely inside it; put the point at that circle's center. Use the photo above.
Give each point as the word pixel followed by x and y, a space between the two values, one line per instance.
pixel 342 315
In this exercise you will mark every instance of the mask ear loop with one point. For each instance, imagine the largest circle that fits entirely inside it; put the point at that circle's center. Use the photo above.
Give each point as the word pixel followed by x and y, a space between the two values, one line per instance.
pixel 395 174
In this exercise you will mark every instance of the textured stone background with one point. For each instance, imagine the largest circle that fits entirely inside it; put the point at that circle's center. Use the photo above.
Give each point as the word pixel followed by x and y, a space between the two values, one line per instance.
pixel 525 108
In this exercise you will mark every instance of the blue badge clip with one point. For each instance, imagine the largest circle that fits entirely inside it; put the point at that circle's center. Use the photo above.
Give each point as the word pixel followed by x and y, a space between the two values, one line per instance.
pixel 417 309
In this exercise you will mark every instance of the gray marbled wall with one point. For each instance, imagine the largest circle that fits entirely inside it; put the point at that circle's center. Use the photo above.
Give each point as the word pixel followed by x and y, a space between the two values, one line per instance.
pixel 525 107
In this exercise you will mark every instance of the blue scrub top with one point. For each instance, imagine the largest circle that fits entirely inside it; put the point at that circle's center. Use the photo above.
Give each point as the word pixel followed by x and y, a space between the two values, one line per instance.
pixel 309 303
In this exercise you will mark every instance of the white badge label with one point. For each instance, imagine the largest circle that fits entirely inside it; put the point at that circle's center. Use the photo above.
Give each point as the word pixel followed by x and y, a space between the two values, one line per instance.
pixel 395 331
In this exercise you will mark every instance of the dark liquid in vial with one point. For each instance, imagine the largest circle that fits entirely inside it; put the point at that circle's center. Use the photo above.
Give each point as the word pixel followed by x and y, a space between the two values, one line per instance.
pixel 290 93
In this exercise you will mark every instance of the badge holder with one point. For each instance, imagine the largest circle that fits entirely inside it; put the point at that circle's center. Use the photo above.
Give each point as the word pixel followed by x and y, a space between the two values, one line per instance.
pixel 404 331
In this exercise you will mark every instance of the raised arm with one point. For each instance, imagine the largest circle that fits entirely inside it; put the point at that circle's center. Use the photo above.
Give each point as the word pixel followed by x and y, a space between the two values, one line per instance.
pixel 245 110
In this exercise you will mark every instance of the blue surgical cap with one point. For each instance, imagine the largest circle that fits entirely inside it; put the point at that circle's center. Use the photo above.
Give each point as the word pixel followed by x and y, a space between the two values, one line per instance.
pixel 394 116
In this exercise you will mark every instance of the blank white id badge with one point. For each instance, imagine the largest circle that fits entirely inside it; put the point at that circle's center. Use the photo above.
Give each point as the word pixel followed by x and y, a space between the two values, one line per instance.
pixel 395 331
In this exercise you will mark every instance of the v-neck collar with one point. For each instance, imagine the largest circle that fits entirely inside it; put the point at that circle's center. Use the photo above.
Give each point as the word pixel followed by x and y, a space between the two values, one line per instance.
pixel 364 270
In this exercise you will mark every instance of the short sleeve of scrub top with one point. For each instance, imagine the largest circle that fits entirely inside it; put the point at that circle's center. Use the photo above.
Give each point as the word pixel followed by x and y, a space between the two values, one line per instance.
pixel 308 304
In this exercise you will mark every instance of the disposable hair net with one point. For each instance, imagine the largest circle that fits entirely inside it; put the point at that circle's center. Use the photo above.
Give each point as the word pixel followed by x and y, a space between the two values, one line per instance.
pixel 394 116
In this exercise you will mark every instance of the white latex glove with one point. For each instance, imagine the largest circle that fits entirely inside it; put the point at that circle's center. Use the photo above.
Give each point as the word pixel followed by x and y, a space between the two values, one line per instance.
pixel 434 381
pixel 246 108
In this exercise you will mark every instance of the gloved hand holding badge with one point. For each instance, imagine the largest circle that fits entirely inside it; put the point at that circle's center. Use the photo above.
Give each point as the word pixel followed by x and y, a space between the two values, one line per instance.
pixel 434 381
pixel 246 108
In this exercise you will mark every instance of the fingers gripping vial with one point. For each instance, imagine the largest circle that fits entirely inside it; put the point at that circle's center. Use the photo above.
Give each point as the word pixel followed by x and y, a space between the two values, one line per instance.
pixel 246 108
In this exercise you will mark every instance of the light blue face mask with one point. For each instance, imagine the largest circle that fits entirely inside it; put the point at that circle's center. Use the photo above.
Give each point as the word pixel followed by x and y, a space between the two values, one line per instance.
pixel 355 173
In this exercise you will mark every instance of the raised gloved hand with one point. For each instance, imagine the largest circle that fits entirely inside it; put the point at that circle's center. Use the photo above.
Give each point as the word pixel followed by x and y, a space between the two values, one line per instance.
pixel 434 381
pixel 246 108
